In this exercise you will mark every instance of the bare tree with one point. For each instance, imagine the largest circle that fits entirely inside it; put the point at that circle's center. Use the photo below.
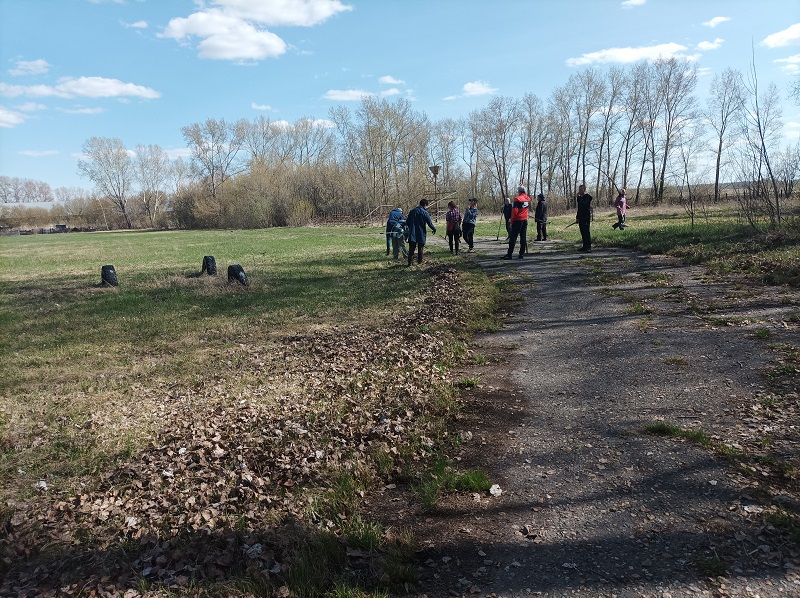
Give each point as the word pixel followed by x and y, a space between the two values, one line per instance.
pixel 690 147
pixel 109 166
pixel 676 82
pixel 215 146
pixel 724 106
pixel 497 127
pixel 611 114
pixel 152 170
pixel 589 89
pixel 787 169
pixel 761 127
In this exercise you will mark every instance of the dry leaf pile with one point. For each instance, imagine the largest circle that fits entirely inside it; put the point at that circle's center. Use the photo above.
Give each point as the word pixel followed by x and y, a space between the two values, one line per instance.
pixel 229 473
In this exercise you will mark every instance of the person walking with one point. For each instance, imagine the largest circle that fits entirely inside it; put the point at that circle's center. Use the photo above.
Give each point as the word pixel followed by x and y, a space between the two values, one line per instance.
pixel 519 223
pixel 417 221
pixel 395 216
pixel 621 204
pixel 507 207
pixel 584 217
pixel 453 219
pixel 468 225
pixel 398 238
pixel 540 216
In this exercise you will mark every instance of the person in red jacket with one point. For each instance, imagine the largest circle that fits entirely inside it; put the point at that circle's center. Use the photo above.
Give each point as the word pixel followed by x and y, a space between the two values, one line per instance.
pixel 519 223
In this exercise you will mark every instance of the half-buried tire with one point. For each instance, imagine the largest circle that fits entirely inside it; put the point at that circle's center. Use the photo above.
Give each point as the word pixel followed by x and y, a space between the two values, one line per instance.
pixel 209 265
pixel 236 273
pixel 109 276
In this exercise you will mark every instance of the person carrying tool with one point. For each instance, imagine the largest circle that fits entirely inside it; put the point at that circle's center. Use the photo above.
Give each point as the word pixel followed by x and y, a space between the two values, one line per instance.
pixel 417 221
pixel 584 217
pixel 621 204
pixel 540 216
pixel 519 223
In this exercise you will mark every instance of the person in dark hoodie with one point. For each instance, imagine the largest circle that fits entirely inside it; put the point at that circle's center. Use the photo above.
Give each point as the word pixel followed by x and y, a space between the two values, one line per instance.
pixel 395 216
pixel 584 218
pixel 417 221
pixel 519 223
pixel 507 207
pixel 540 216
pixel 469 222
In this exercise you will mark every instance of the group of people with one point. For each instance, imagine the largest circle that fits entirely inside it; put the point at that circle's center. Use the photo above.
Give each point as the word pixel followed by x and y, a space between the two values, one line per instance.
pixel 415 226
pixel 515 213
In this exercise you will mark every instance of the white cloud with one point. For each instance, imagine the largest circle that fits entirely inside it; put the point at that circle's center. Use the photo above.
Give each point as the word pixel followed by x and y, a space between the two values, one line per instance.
pixel 30 67
pixel 346 95
pixel 632 3
pixel 82 110
pixel 230 30
pixel 716 21
pixel 324 123
pixel 10 118
pixel 38 153
pixel 303 13
pixel 390 92
pixel 787 37
pixel 473 88
pixel 225 37
pixel 89 87
pixel 265 107
pixel 30 107
pixel 138 25
pixel 791 64
pixel 628 55
pixel 706 46
pixel 478 88
pixel 389 80
pixel 181 152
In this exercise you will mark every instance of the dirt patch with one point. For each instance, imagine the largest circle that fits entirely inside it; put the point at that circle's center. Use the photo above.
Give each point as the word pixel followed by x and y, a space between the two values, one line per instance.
pixel 640 419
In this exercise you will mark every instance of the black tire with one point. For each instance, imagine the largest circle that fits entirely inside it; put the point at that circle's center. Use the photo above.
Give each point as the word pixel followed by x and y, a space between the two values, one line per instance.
pixel 209 265
pixel 109 276
pixel 236 272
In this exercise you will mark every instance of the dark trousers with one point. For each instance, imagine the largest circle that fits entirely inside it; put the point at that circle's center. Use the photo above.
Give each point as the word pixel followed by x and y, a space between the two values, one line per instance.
pixel 519 229
pixel 412 247
pixel 541 231
pixel 453 239
pixel 508 227
pixel 585 234
pixel 620 222
pixel 469 233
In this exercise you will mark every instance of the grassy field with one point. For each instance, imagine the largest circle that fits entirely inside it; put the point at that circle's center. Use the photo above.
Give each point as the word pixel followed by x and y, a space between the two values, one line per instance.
pixel 219 414
pixel 328 342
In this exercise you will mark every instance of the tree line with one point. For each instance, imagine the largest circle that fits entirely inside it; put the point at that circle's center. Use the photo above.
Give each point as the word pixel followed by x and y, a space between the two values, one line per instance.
pixel 639 127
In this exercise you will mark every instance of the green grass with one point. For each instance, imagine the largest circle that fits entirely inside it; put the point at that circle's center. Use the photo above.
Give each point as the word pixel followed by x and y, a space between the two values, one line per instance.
pixel 720 241
pixel 86 367
pixel 442 479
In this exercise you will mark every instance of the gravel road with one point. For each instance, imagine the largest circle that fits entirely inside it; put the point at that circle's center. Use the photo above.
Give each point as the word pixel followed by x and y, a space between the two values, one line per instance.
pixel 594 349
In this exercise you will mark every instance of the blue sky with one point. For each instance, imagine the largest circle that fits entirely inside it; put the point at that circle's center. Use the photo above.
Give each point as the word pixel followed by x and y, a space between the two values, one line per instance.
pixel 140 70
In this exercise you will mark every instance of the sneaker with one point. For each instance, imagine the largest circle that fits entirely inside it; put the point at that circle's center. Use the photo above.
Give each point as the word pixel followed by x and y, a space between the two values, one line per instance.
pixel 469 250
pixel 521 255
pixel 506 257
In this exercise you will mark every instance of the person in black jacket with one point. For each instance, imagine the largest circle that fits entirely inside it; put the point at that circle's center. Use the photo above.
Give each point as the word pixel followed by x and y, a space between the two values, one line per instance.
pixel 584 217
pixel 507 207
pixel 540 216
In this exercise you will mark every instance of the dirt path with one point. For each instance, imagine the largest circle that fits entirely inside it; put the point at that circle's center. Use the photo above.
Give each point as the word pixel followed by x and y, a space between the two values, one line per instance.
pixel 599 346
